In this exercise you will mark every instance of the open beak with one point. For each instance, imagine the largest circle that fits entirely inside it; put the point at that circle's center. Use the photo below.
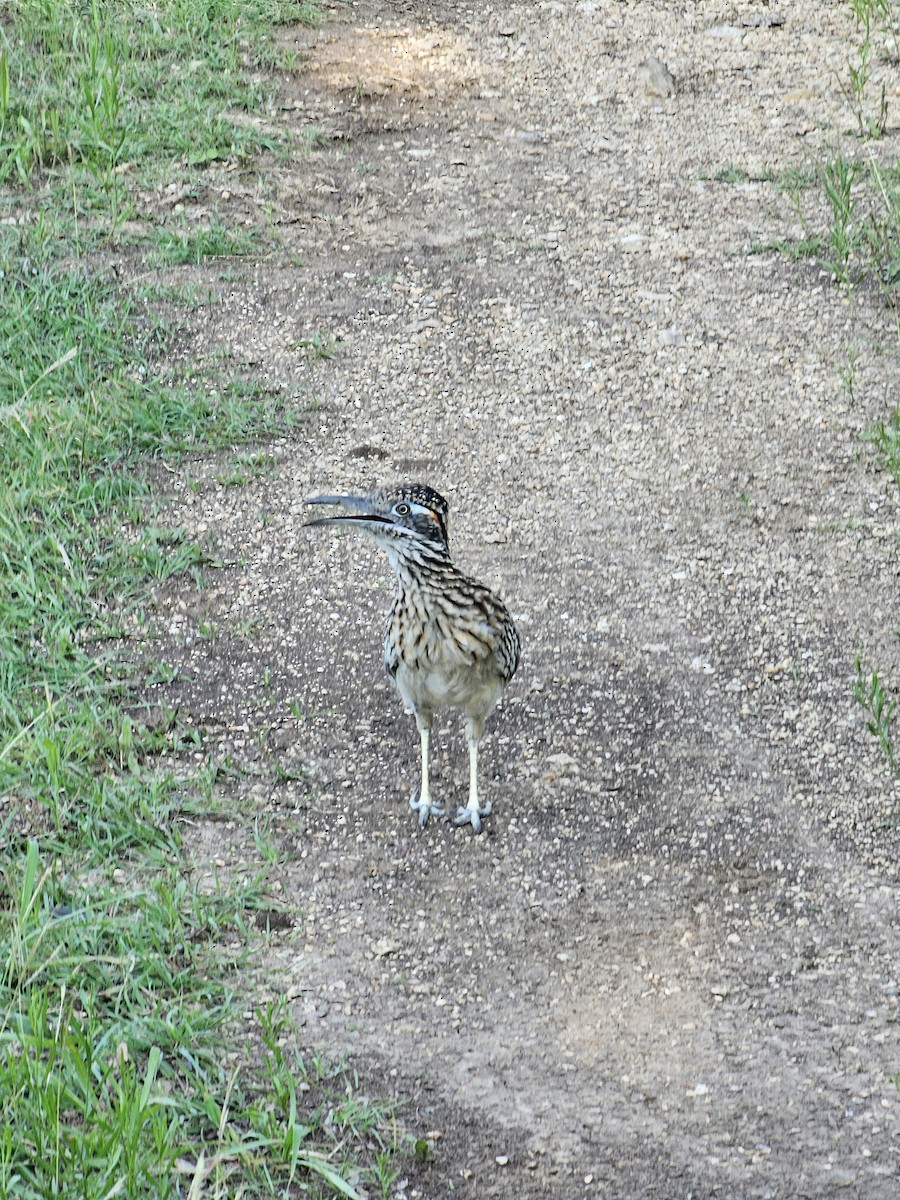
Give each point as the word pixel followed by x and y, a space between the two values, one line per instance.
pixel 364 516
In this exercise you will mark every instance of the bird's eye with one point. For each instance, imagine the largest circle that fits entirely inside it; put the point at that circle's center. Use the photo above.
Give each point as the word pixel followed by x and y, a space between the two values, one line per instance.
pixel 402 510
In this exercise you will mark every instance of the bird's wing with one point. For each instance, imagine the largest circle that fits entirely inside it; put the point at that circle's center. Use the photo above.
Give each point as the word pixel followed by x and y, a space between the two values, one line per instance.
pixel 391 644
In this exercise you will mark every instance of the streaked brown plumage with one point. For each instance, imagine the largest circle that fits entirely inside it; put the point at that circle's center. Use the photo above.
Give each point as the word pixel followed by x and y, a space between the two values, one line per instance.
pixel 449 640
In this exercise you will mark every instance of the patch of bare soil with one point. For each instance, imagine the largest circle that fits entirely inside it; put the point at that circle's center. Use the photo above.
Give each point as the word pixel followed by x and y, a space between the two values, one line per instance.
pixel 669 967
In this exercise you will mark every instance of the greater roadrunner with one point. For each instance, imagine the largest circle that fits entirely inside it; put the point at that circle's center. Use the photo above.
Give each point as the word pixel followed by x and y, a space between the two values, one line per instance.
pixel 449 640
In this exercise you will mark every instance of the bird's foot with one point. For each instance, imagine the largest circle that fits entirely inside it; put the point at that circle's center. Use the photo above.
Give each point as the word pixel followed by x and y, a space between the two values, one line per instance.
pixel 468 815
pixel 424 808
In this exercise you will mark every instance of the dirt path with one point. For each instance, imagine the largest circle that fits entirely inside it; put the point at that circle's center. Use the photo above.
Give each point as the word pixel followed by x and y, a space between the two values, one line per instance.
pixel 669 968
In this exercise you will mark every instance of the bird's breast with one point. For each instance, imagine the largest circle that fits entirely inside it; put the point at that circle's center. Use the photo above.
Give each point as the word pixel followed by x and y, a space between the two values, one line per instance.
pixel 435 639
pixel 469 688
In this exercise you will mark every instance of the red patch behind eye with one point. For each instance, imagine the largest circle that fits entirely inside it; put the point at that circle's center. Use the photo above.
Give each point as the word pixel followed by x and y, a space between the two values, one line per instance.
pixel 439 521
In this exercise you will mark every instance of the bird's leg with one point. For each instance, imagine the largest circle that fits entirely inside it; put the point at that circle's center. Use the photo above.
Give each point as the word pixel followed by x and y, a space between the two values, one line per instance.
pixel 472 813
pixel 420 800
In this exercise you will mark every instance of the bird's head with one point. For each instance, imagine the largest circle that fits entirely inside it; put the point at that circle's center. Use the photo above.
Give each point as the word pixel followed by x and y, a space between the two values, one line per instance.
pixel 401 517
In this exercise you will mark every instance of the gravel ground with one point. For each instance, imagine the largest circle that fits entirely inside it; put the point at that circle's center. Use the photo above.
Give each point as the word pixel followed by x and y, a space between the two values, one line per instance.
pixel 669 967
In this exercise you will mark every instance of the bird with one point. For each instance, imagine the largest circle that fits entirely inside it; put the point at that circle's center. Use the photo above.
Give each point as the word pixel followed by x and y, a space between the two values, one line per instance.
pixel 449 641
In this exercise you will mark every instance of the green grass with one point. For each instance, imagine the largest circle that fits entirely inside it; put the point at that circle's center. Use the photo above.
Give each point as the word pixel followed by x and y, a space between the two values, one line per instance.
pixel 120 1067
pixel 869 693
pixel 795 179
pixel 855 233
pixel 62 439
pixel 806 247
pixel 732 173
pixel 128 1063
pixel 186 297
pixel 121 92
pixel 120 1070
pixel 871 112
pixel 318 346
pixel 861 230
pixel 245 467
pixel 885 437
pixel 847 200
pixel 791 179
pixel 863 199
pixel 180 246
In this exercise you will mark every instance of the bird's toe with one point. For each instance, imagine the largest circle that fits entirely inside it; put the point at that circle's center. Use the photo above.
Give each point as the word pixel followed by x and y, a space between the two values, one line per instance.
pixel 424 808
pixel 472 816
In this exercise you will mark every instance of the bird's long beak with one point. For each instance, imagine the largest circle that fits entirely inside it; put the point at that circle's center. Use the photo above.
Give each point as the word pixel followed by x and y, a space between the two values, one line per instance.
pixel 363 503
pixel 360 502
